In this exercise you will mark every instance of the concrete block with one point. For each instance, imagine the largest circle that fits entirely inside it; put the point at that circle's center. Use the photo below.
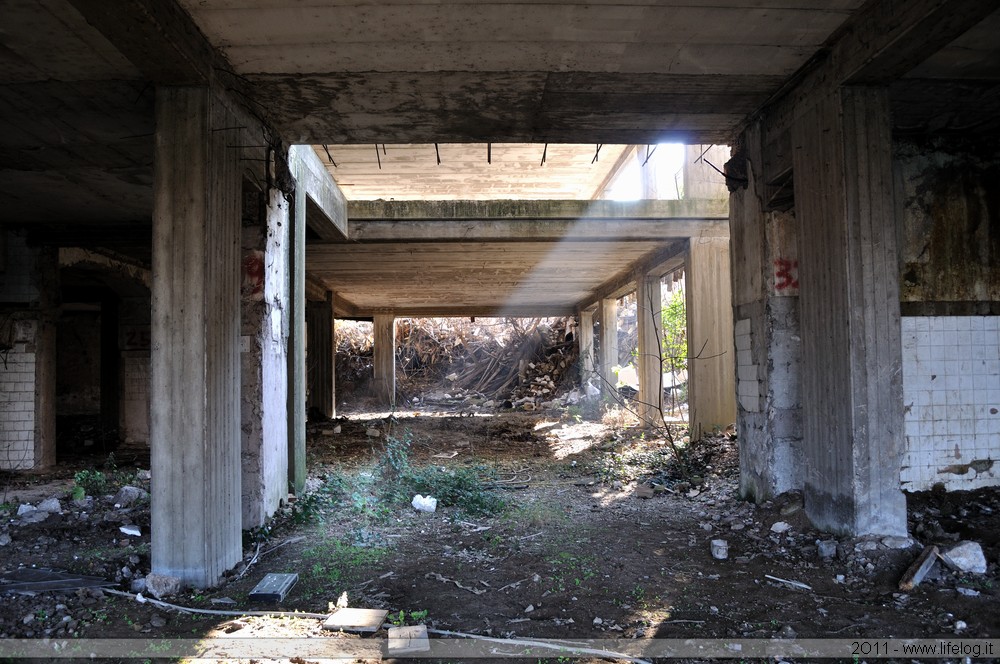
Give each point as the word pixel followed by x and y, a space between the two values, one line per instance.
pixel 966 557
pixel 162 585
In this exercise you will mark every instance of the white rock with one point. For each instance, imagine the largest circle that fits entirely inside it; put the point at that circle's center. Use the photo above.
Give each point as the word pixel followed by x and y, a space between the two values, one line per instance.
pixel 968 592
pixel 129 495
pixel 960 625
pixel 25 508
pixel 966 557
pixel 162 585
pixel 826 548
pixel 4 539
pixel 50 505
pixel 131 530
pixel 781 527
pixel 337 429
pixel 529 608
pixel 598 621
pixel 424 503
pixel 373 433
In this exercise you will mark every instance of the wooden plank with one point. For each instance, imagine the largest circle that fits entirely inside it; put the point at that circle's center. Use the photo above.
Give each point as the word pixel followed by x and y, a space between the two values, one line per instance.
pixel 916 572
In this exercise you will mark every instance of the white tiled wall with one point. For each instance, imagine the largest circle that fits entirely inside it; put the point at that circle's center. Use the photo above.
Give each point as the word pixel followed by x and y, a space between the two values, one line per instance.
pixel 747 384
pixel 17 400
pixel 951 396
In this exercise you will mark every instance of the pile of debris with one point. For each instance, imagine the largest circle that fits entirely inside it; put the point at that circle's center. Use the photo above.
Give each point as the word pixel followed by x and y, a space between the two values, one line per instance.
pixel 526 362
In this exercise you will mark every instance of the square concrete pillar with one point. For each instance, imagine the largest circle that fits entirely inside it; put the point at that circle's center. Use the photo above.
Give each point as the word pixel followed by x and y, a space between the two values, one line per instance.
pixel 585 344
pixel 849 297
pixel 608 310
pixel 321 356
pixel 264 355
pixel 649 323
pixel 385 358
pixel 765 281
pixel 297 338
pixel 711 353
pixel 195 390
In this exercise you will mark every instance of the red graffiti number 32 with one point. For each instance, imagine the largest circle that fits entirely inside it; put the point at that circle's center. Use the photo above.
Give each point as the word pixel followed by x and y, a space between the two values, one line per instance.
pixel 785 274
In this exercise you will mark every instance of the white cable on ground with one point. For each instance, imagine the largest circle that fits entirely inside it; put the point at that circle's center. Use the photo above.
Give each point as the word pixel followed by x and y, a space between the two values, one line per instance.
pixel 551 645
pixel 216 612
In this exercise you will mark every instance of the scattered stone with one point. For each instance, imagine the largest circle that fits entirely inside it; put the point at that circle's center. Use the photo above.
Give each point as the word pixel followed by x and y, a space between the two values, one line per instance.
pixel 897 542
pixel 720 549
pixel 373 433
pixel 968 592
pixel 529 608
pixel 787 632
pixel 337 429
pixel 50 505
pixel 598 621
pixel 960 625
pixel 737 525
pixel 866 545
pixel 138 585
pixel 156 620
pixel 966 557
pixel 227 601
pixel 644 491
pixel 4 539
pixel 131 530
pixel 162 585
pixel 781 527
pixel 826 548
pixel 144 475
pixel 25 508
pixel 128 496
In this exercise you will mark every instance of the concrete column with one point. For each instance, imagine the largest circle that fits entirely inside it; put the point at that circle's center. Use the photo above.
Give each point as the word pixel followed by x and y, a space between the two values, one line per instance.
pixel 765 285
pixel 711 361
pixel 297 344
pixel 609 348
pixel 385 358
pixel 322 354
pixel 849 296
pixel 701 181
pixel 585 342
pixel 45 358
pixel 649 324
pixel 195 425
pixel 264 411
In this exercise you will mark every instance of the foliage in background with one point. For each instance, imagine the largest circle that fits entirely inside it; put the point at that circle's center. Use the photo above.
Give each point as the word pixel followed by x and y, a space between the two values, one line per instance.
pixel 674 319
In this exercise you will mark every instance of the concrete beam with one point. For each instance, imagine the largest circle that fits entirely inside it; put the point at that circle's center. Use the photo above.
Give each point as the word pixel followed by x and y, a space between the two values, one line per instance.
pixel 536 220
pixel 660 262
pixel 877 45
pixel 385 358
pixel 195 424
pixel 322 191
pixel 345 310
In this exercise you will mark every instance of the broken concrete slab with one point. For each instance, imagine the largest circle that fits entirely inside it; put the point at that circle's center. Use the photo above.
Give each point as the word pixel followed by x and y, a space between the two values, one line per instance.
pixel 826 548
pixel 273 587
pixel 407 640
pixel 781 527
pixel 365 621
pixel 966 556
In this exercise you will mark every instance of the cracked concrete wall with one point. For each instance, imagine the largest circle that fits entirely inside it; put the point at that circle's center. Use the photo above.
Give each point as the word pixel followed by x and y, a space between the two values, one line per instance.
pixel 948 221
pixel 768 345
pixel 264 356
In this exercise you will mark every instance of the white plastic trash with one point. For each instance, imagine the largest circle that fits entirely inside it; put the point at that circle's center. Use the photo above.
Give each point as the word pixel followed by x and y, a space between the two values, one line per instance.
pixel 720 549
pixel 424 503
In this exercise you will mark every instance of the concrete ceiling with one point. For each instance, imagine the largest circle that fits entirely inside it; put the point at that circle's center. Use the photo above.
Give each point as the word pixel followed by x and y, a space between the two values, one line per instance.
pixel 475 171
pixel 78 80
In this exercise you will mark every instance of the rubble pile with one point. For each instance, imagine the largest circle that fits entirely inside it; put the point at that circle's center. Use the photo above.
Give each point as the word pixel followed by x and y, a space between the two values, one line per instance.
pixel 527 362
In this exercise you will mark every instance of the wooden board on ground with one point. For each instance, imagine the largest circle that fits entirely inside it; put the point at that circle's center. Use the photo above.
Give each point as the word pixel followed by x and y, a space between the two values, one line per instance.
pixel 356 620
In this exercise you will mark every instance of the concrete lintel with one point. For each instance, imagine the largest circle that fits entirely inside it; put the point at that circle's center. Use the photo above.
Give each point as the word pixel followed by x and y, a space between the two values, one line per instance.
pixel 536 220
pixel 462 311
pixel 659 263
pixel 322 190
pixel 315 289
pixel 123 265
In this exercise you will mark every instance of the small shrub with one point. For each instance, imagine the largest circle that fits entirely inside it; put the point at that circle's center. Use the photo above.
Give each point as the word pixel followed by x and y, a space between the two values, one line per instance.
pixel 463 488
pixel 93 482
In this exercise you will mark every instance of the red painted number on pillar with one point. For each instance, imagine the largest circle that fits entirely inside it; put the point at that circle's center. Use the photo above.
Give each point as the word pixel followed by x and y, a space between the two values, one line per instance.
pixel 786 274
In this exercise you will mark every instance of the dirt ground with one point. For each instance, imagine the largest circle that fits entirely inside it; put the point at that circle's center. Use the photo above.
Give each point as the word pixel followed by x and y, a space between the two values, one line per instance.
pixel 575 553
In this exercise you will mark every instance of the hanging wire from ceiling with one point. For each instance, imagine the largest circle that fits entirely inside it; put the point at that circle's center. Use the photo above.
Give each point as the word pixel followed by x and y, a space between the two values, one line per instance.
pixel 329 156
pixel 489 153
pixel 544 153
pixel 437 152
pixel 378 157
pixel 597 153
pixel 649 154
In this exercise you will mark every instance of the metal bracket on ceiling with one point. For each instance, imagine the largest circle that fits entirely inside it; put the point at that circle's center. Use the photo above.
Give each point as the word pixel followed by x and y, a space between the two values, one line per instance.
pixel 649 154
pixel 329 156
pixel 437 152
pixel 544 153
pixel 597 153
